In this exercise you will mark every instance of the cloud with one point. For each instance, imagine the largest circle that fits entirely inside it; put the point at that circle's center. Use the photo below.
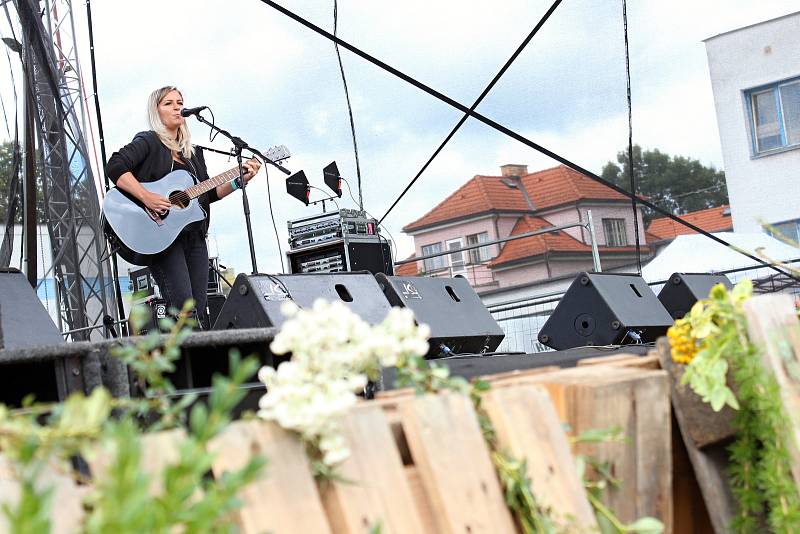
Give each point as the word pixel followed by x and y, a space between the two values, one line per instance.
pixel 271 81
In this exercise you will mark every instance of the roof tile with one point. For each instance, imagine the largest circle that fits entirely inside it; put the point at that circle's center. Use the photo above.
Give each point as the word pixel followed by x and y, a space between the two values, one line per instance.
pixel 546 188
pixel 710 220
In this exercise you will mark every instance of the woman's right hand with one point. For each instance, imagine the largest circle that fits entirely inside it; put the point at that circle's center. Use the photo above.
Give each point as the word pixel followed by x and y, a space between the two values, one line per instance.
pixel 155 202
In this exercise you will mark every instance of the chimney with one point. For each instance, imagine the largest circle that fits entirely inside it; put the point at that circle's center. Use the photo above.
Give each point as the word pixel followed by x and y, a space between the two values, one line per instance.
pixel 512 169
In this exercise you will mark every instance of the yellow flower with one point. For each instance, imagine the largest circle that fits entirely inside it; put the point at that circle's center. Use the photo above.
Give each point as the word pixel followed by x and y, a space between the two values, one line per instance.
pixel 682 343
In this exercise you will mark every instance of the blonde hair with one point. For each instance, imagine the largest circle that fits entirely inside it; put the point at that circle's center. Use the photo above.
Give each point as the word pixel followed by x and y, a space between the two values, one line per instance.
pixel 183 143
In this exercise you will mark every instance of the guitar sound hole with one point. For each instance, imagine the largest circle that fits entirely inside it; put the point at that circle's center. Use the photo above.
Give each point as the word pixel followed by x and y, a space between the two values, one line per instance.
pixel 179 199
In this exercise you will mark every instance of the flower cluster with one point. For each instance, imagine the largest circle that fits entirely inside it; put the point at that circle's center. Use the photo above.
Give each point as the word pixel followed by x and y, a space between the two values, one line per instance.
pixel 334 353
pixel 683 346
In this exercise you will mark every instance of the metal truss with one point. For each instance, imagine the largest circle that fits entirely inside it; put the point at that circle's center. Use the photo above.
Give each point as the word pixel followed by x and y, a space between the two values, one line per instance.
pixel 80 265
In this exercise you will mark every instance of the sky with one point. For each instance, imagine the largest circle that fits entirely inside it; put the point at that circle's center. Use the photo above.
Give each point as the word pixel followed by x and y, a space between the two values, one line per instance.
pixel 271 81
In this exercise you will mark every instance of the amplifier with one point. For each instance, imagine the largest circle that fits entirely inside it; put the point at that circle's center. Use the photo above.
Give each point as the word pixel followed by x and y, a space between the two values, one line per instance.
pixel 345 224
pixel 355 254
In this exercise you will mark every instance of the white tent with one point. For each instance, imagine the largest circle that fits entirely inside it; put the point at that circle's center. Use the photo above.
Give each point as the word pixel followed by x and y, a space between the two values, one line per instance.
pixel 697 253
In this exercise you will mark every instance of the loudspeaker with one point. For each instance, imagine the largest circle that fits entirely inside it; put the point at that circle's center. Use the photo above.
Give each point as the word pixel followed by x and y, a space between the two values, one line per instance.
pixel 26 325
pixel 25 322
pixel 450 307
pixel 605 309
pixel 682 290
pixel 255 300
pixel 215 303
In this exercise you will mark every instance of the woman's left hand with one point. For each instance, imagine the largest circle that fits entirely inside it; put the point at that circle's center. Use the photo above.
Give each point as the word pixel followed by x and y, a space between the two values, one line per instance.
pixel 251 167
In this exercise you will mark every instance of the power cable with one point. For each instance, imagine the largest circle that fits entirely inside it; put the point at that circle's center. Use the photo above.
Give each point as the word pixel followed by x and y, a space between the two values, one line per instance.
pixel 114 264
pixel 508 132
pixel 360 202
pixel 272 216
pixel 394 243
pixel 630 141
pixel 475 104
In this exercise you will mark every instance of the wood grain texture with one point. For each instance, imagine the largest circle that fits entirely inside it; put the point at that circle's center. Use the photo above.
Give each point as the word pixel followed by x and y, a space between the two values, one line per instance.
pixel 454 465
pixel 526 425
pixel 285 499
pixel 710 464
pixel 377 490
pixel 637 401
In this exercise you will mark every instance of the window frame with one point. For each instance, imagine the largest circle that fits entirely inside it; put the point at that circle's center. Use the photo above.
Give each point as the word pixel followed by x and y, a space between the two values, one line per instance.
pixel 478 255
pixel 462 267
pixel 795 237
pixel 622 231
pixel 752 125
pixel 430 264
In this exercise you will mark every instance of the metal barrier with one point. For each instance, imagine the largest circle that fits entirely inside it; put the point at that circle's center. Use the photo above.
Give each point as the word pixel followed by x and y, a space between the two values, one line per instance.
pixel 522 318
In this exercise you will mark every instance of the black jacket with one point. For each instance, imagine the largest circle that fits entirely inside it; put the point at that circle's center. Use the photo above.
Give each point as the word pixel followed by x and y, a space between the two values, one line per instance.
pixel 149 160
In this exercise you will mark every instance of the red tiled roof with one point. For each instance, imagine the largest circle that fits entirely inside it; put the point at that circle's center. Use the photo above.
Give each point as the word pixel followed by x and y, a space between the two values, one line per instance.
pixel 547 188
pixel 536 245
pixel 710 220
pixel 407 269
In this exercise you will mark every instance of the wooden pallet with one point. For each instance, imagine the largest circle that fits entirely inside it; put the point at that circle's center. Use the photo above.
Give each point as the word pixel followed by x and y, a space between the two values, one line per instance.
pixel 636 400
pixel 433 473
pixel 607 392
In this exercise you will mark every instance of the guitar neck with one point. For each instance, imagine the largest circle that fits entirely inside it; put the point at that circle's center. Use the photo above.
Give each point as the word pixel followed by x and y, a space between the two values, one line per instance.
pixel 207 185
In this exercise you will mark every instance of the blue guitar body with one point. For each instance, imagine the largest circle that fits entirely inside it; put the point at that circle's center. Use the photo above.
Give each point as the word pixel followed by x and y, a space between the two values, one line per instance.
pixel 139 233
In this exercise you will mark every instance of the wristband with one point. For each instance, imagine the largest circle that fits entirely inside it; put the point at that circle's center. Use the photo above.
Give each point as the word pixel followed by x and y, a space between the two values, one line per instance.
pixel 235 185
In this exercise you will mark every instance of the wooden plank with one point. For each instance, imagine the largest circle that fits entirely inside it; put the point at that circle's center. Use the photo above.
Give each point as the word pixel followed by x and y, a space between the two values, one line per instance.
pixel 9 491
pixel 650 361
pixel 509 378
pixel 454 465
pixel 704 425
pixel 689 513
pixel 66 502
pixel 773 327
pixel 710 464
pixel 285 498
pixel 637 401
pixel 377 492
pixel 527 425
pixel 159 450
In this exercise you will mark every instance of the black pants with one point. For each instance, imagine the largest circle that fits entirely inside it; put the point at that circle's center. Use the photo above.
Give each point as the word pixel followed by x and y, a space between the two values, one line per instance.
pixel 181 273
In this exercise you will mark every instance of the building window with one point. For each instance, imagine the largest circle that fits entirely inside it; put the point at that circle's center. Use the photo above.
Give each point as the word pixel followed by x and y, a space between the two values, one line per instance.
pixel 457 256
pixel 478 255
pixel 786 230
pixel 433 264
pixel 775 116
pixel 614 230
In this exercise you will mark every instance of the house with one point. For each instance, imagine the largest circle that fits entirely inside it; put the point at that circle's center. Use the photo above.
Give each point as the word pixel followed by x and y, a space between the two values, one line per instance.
pixel 489 208
pixel 663 230
pixel 755 78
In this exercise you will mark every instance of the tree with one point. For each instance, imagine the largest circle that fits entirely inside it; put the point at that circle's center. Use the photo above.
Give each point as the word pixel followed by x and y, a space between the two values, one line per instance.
pixel 6 173
pixel 674 183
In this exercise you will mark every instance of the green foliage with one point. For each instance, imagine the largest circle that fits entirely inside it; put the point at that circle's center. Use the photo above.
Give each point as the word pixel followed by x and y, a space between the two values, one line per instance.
pixel 721 327
pixel 760 470
pixel 760 464
pixel 430 377
pixel 121 501
pixel 675 183
pixel 6 173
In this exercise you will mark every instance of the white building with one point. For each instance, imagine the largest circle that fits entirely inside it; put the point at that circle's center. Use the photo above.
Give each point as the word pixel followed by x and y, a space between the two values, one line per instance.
pixel 755 77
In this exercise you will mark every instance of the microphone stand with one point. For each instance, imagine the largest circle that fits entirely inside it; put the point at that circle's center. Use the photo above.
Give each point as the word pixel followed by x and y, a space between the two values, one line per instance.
pixel 240 145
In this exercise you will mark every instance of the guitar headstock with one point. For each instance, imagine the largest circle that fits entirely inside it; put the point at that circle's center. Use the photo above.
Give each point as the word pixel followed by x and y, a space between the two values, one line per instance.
pixel 278 153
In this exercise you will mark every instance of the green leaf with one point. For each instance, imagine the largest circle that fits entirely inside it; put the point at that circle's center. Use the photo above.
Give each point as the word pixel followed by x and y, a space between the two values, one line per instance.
pixel 646 525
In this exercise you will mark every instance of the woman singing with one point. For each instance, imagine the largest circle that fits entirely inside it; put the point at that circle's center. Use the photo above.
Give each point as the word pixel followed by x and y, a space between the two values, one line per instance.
pixel 181 271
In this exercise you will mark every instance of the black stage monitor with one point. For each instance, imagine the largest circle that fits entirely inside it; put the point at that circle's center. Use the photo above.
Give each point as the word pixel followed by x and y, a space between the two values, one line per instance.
pixel 450 307
pixel 605 309
pixel 682 290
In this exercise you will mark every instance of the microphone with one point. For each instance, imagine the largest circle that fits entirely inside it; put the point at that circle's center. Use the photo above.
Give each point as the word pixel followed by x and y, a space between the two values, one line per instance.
pixel 188 112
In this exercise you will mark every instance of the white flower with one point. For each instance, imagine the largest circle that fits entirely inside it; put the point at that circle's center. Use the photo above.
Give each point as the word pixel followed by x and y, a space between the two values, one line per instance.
pixel 333 350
